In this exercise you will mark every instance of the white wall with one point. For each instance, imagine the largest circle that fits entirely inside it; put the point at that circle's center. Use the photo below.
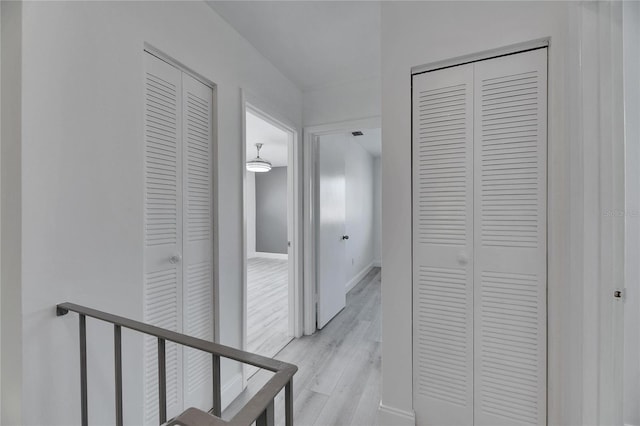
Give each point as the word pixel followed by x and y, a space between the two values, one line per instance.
pixel 251 214
pixel 10 213
pixel 82 183
pixel 359 192
pixel 416 33
pixel 377 212
pixel 344 101
pixel 631 22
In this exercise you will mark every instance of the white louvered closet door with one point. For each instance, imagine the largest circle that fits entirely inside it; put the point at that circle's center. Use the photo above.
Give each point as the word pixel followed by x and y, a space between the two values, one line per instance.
pixel 510 239
pixel 198 238
pixel 178 250
pixel 443 246
pixel 162 229
pixel 479 242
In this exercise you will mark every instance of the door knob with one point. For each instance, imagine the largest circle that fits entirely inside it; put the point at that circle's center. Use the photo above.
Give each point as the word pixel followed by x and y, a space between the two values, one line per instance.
pixel 463 258
pixel 176 258
pixel 345 237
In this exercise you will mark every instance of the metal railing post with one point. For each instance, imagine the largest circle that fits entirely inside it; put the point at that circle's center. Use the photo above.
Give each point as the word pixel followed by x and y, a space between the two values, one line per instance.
pixel 117 348
pixel 83 371
pixel 267 417
pixel 162 382
pixel 288 403
pixel 217 397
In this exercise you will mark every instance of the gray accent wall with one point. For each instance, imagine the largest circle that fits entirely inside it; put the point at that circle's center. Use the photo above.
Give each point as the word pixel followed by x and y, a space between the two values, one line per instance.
pixel 271 211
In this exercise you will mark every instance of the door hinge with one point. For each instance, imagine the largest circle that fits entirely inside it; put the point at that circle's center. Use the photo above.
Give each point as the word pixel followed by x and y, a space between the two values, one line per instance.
pixel 619 294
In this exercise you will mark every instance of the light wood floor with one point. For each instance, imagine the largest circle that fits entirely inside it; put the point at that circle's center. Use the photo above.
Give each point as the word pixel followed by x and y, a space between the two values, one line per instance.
pixel 338 378
pixel 267 305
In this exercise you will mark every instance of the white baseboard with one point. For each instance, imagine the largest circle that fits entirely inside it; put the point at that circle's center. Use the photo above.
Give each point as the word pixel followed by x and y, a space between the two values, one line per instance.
pixel 377 264
pixel 231 390
pixel 282 256
pixel 390 416
pixel 251 254
pixel 355 280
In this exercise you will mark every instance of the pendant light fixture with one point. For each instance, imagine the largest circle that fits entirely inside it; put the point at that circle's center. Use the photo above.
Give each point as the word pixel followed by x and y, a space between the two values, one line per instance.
pixel 258 164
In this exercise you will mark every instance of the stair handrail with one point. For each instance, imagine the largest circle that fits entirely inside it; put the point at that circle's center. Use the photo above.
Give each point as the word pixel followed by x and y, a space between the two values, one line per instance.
pixel 260 408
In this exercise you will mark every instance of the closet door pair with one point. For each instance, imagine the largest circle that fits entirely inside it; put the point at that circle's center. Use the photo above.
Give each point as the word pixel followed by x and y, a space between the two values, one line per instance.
pixel 178 233
pixel 479 164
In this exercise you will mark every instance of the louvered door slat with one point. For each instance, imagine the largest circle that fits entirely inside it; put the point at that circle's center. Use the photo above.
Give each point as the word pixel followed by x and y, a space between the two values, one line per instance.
pixel 443 241
pixel 198 238
pixel 163 230
pixel 510 240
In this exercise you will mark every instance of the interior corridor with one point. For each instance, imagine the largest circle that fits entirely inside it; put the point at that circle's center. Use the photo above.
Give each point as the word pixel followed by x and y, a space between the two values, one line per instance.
pixel 338 381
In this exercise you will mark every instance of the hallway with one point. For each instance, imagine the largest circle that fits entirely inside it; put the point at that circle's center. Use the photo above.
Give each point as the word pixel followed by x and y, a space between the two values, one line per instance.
pixel 338 381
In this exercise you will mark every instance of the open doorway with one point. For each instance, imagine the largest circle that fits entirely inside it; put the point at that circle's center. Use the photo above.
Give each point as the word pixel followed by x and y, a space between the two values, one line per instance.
pixel 269 213
pixel 345 227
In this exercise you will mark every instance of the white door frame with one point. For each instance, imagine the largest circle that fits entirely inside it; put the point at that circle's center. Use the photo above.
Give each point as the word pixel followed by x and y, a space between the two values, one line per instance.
pixel 311 135
pixel 597 244
pixel 294 212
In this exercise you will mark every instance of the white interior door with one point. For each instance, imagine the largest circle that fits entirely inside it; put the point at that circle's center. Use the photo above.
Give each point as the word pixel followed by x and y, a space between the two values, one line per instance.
pixel 178 224
pixel 510 216
pixel 198 238
pixel 331 272
pixel 162 229
pixel 479 242
pixel 443 246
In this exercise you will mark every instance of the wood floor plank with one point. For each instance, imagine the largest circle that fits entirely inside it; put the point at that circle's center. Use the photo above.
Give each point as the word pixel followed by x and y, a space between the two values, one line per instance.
pixel 342 403
pixel 339 367
pixel 306 410
pixel 267 306
pixel 330 372
pixel 367 409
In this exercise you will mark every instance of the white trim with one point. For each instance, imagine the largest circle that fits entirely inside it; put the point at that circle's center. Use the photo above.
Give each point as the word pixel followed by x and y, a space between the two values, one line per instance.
pixel 265 110
pixel 481 56
pixel 310 140
pixel 355 280
pixel 243 235
pixel 282 256
pixel 309 301
pixel 391 416
pixel 231 390
pixel 376 264
pixel 177 64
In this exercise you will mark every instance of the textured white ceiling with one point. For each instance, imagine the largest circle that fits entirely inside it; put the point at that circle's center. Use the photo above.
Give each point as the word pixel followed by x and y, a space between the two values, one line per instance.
pixel 275 140
pixel 313 43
